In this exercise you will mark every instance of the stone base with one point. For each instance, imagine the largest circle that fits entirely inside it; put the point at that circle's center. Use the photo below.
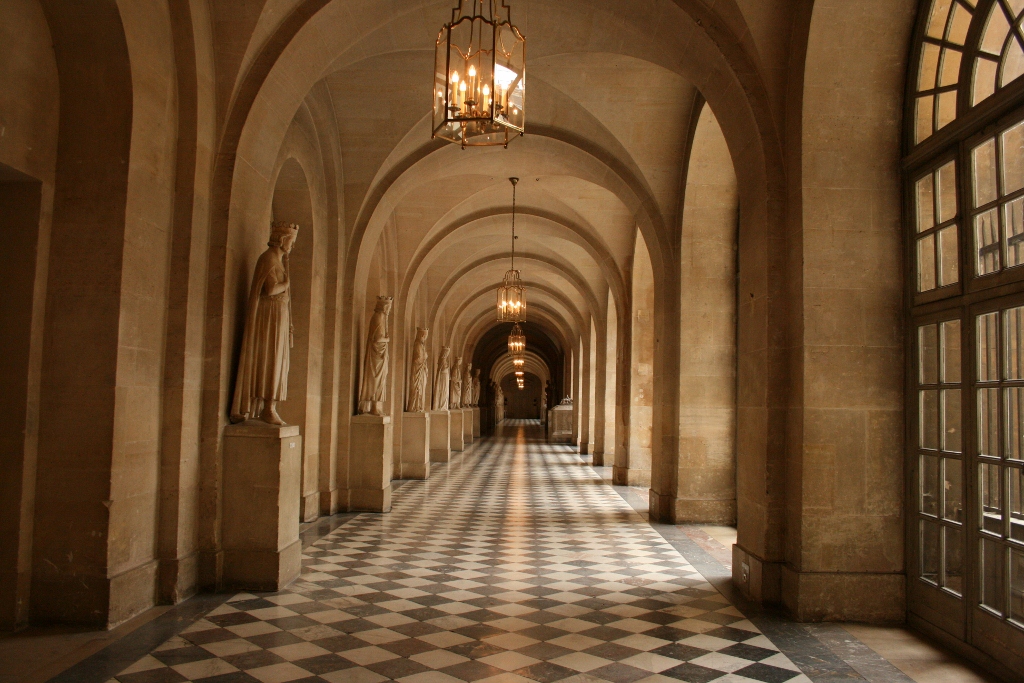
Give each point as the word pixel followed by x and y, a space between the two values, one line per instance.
pixel 261 506
pixel 262 570
pixel 476 422
pixel 623 476
pixel 455 430
pixel 330 503
pixel 672 510
pixel 440 436
pixel 371 449
pixel 758 580
pixel 415 458
pixel 310 509
pixel 467 426
pixel 821 596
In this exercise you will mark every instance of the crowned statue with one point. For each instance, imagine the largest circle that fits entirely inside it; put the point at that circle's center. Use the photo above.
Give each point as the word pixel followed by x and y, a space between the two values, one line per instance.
pixel 467 387
pixel 441 380
pixel 373 385
pixel 419 374
pixel 455 399
pixel 262 378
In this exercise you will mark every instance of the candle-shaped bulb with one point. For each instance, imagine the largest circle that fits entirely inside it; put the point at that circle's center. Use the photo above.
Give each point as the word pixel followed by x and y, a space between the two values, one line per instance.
pixel 472 71
pixel 455 77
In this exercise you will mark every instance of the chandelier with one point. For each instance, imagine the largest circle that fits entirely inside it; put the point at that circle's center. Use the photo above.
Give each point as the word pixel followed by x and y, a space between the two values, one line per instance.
pixel 479 76
pixel 516 343
pixel 520 383
pixel 511 293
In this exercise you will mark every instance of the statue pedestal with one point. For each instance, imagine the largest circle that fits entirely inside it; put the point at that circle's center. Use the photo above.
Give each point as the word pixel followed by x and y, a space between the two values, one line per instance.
pixel 467 425
pixel 440 438
pixel 458 437
pixel 371 447
pixel 476 422
pixel 560 424
pixel 262 467
pixel 415 459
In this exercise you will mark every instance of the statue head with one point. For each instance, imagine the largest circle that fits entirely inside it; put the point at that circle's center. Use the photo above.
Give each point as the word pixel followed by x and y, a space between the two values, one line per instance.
pixel 283 234
pixel 383 304
pixel 476 373
pixel 458 361
pixel 421 333
pixel 445 352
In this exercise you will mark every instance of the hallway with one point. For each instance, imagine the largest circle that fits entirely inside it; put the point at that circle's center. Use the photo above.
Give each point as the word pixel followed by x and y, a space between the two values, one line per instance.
pixel 517 562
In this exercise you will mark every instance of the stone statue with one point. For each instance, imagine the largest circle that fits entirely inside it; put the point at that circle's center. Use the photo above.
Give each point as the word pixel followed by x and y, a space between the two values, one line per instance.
pixel 262 378
pixel 419 374
pixel 476 387
pixel 499 403
pixel 467 387
pixel 455 400
pixel 441 380
pixel 373 385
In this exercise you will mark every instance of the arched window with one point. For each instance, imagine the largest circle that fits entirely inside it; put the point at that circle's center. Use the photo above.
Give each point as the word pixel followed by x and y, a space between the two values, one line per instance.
pixel 964 197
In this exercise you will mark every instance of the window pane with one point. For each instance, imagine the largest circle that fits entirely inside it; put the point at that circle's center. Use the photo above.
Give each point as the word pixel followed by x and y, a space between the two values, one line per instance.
pixel 984 160
pixel 990 497
pixel 946 186
pixel 929 551
pixel 953 490
pixel 1013 326
pixel 929 67
pixel 926 263
pixel 951 420
pixel 986 240
pixel 984 79
pixel 988 422
pixel 930 420
pixel 1017 586
pixel 1013 64
pixel 995 31
pixel 992 575
pixel 1016 477
pixel 959 25
pixel 925 203
pixel 951 352
pixel 950 67
pixel 1013 158
pixel 925 107
pixel 949 261
pixel 988 368
pixel 1013 398
pixel 954 560
pixel 1013 226
pixel 930 485
pixel 937 19
pixel 946 109
pixel 928 354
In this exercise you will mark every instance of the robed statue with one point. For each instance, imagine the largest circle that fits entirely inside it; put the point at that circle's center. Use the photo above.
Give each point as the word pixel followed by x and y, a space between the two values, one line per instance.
pixel 467 387
pixel 419 375
pixel 441 379
pixel 476 387
pixel 373 385
pixel 455 400
pixel 267 337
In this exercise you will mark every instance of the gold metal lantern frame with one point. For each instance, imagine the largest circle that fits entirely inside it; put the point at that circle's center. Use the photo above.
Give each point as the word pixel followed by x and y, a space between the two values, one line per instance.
pixel 516 343
pixel 479 76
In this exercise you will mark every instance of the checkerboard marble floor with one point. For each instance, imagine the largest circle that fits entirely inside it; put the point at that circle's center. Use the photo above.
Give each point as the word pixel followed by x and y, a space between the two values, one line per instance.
pixel 514 563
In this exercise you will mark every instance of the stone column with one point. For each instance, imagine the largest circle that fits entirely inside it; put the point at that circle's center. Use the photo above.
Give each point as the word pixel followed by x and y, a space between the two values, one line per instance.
pixel 371 448
pixel 415 457
pixel 455 430
pixel 440 436
pixel 262 468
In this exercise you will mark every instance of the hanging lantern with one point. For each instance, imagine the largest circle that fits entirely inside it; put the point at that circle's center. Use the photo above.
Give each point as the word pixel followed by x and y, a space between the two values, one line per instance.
pixel 511 293
pixel 479 76
pixel 518 363
pixel 519 374
pixel 516 342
